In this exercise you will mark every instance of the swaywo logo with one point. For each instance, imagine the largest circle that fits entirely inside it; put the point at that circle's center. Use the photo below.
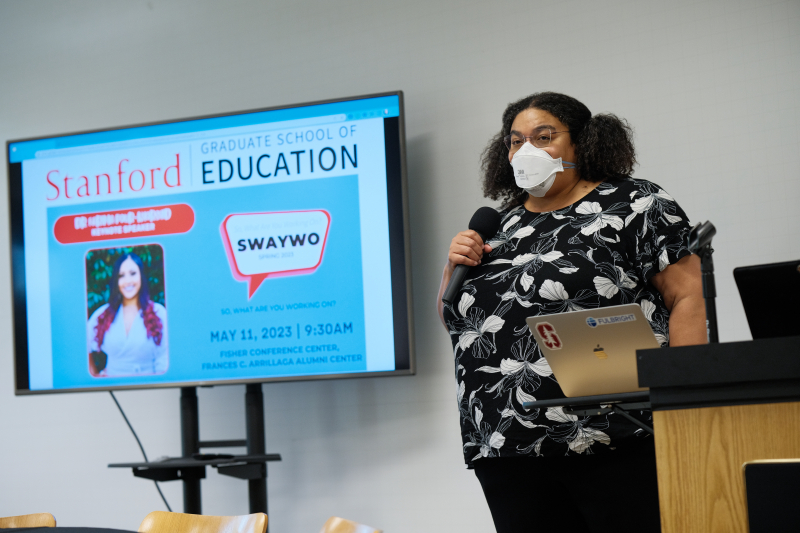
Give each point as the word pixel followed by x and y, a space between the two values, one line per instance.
pixel 284 243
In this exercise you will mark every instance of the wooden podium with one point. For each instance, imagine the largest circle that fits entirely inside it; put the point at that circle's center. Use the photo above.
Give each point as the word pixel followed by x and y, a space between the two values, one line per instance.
pixel 716 407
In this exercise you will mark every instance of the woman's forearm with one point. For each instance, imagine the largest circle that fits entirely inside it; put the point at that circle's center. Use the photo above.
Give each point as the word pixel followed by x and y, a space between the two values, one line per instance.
pixel 687 322
pixel 681 287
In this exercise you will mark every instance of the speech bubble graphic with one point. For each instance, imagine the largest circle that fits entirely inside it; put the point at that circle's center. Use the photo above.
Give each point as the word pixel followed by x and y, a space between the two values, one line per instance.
pixel 282 243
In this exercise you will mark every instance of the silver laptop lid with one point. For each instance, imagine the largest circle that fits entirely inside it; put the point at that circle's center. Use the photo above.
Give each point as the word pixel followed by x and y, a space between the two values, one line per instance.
pixel 594 351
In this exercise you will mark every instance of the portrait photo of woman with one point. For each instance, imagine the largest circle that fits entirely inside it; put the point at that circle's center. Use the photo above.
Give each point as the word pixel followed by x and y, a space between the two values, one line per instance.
pixel 126 335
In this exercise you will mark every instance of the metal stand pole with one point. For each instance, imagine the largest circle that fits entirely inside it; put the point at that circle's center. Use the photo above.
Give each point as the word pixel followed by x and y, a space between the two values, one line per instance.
pixel 709 292
pixel 700 243
pixel 190 439
pixel 256 445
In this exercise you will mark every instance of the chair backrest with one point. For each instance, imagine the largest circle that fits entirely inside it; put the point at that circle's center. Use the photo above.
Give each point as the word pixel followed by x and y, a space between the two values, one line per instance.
pixel 28 520
pixel 340 525
pixel 164 522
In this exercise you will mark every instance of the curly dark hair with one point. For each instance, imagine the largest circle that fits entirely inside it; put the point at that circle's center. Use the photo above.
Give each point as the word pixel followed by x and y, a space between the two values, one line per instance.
pixel 603 146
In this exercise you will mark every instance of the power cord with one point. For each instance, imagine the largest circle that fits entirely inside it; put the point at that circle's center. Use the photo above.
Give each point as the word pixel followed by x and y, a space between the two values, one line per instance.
pixel 158 488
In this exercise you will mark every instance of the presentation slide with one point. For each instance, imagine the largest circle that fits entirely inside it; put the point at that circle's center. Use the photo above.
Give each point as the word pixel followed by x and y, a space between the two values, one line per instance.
pixel 225 249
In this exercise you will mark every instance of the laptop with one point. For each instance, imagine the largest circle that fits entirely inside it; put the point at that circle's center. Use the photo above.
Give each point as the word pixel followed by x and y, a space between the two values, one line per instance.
pixel 770 295
pixel 594 351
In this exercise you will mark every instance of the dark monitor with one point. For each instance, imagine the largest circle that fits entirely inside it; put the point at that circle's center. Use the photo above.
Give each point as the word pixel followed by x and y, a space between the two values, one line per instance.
pixel 769 295
pixel 256 246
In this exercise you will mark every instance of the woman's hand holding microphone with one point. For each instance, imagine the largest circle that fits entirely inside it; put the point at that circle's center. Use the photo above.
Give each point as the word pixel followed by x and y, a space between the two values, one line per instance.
pixel 466 248
pixel 466 251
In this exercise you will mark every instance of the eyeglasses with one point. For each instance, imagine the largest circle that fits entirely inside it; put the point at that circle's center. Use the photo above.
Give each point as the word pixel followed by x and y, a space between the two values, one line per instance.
pixel 540 138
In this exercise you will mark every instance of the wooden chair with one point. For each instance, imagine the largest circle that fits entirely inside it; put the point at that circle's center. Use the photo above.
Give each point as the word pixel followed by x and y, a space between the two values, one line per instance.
pixel 164 522
pixel 28 520
pixel 340 525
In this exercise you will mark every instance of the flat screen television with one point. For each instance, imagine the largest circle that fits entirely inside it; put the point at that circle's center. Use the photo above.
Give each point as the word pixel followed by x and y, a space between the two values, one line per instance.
pixel 255 246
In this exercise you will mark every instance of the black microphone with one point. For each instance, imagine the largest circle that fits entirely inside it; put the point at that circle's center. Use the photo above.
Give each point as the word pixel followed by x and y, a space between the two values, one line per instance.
pixel 701 235
pixel 485 222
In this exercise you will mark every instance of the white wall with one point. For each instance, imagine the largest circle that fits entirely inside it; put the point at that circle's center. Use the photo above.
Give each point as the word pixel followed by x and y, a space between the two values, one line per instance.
pixel 711 88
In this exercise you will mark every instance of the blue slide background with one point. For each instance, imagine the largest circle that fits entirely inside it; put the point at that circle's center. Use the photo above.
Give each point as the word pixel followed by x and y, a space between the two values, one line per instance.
pixel 199 286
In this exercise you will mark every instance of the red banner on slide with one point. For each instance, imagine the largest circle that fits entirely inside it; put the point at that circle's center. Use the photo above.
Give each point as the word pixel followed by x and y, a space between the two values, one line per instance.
pixel 124 224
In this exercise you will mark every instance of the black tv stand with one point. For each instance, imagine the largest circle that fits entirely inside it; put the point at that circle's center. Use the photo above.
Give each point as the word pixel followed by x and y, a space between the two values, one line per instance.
pixel 191 466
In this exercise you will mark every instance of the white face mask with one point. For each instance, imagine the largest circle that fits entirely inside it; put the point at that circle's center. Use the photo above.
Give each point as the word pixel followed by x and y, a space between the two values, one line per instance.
pixel 534 169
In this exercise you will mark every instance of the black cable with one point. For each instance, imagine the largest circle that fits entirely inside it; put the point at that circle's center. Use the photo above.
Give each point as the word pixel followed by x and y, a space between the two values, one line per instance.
pixel 158 488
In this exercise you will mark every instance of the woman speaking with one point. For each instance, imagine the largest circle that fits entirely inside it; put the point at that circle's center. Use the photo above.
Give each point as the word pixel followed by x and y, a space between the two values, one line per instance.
pixel 577 232
pixel 127 336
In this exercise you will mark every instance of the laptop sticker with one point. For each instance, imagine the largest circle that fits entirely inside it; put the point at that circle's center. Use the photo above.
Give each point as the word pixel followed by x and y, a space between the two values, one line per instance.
pixel 549 335
pixel 604 321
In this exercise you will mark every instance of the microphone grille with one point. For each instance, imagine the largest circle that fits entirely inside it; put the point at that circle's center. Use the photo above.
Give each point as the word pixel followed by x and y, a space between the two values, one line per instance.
pixel 485 221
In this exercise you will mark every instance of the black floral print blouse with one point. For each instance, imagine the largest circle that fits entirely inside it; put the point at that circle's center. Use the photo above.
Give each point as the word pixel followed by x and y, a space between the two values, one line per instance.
pixel 598 252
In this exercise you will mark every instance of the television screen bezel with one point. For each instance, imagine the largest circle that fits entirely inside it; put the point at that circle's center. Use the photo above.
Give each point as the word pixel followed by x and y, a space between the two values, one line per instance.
pixel 399 241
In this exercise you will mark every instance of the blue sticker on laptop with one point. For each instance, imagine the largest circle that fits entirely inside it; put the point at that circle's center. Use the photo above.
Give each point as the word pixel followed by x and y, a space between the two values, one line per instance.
pixel 605 321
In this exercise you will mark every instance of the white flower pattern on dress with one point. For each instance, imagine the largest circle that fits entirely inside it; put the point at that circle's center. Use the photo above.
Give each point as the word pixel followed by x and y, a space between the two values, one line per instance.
pixel 598 252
